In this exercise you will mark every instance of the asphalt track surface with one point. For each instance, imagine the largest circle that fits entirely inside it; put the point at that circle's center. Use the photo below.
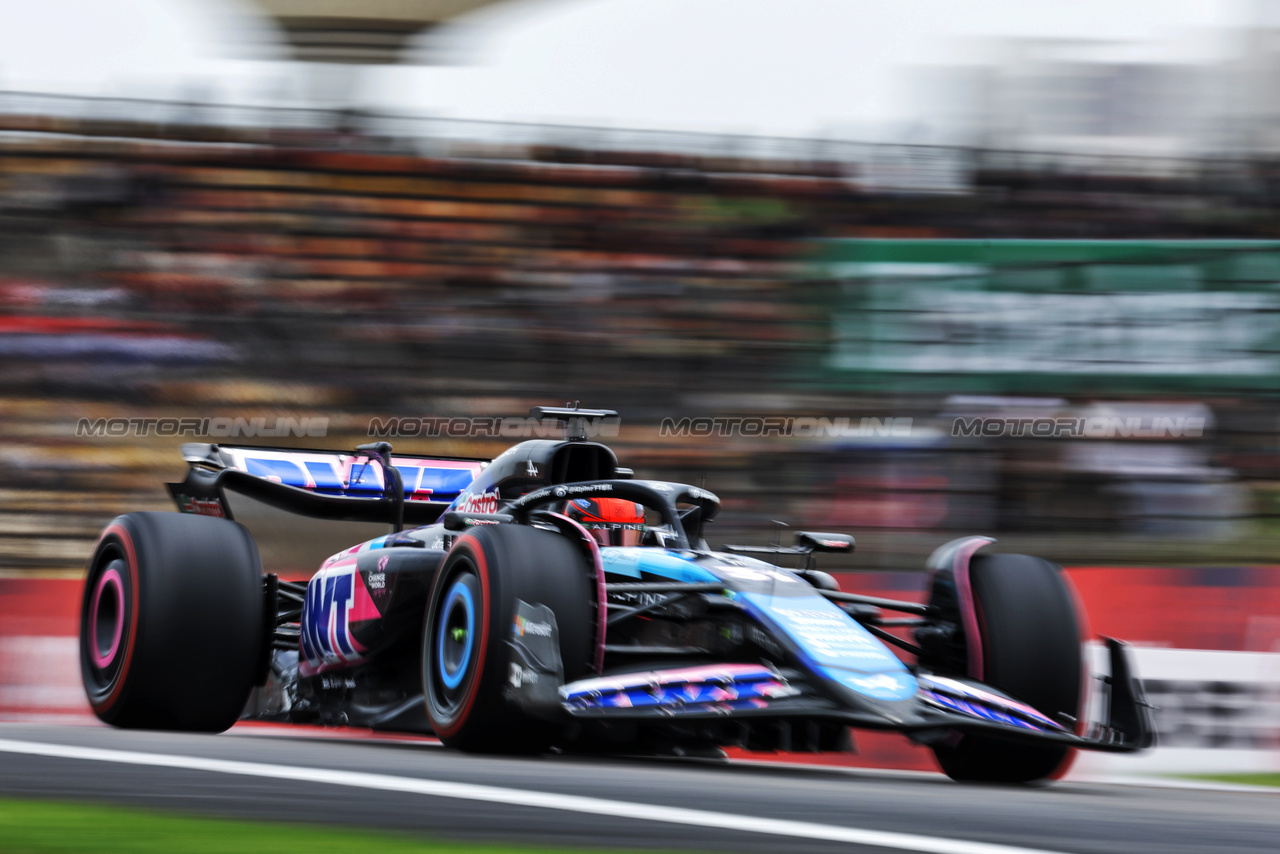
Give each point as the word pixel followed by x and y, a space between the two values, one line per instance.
pixel 421 788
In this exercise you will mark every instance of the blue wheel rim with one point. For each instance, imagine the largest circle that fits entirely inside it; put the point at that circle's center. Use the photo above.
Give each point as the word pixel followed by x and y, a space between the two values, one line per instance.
pixel 458 599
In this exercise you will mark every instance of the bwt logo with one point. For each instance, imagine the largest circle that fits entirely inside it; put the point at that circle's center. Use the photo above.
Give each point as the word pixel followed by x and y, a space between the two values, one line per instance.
pixel 222 428
pixel 786 426
pixel 326 622
pixel 1092 427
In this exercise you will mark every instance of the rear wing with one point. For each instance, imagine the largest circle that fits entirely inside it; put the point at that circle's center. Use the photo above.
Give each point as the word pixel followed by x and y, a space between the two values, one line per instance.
pixel 350 486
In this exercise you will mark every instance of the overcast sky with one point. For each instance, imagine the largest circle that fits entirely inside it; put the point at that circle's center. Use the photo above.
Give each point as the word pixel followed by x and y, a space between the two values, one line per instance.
pixel 794 67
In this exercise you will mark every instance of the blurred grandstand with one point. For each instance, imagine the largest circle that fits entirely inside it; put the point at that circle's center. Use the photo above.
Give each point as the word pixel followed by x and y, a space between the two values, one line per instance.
pixel 181 260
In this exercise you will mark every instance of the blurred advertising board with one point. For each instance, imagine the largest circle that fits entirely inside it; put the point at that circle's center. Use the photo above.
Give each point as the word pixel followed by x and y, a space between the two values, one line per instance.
pixel 1052 316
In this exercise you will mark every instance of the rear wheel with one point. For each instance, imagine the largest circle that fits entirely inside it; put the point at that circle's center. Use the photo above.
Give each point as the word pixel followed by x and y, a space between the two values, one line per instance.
pixel 171 623
pixel 1031 650
pixel 468 662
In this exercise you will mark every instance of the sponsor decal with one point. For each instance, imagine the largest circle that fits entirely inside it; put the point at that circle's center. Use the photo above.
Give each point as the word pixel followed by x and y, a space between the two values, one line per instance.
pixel 836 647
pixel 829 635
pixel 522 626
pixel 332 683
pixel 638 600
pixel 761 639
pixel 200 506
pixel 562 492
pixel 334 601
pixel 521 676
pixel 535 669
pixel 485 502
pixel 326 625
pixel 881 686
pixel 345 474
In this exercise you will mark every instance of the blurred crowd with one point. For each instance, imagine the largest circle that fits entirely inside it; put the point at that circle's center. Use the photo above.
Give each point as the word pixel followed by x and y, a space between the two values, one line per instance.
pixel 169 267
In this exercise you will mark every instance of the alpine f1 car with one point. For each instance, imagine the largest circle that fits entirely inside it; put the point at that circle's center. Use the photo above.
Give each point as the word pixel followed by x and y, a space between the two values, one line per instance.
pixel 546 598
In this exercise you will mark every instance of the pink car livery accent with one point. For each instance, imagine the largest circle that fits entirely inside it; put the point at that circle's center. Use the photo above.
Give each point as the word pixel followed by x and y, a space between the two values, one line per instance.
pixel 337 600
pixel 955 557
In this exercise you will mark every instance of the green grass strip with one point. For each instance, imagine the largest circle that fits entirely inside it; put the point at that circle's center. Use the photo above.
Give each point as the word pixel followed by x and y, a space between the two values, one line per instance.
pixel 42 827
pixel 1257 779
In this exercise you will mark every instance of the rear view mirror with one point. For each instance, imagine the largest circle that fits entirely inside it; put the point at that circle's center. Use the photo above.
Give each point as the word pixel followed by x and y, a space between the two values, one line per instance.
pixel 820 542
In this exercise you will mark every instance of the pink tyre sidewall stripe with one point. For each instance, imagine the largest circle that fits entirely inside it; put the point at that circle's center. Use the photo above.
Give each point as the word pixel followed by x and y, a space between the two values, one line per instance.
pixel 121 533
pixel 110 578
pixel 602 599
pixel 968 607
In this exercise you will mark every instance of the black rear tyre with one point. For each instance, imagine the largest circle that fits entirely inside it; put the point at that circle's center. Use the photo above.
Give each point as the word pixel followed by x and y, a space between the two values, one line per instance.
pixel 466 660
pixel 1031 650
pixel 171 624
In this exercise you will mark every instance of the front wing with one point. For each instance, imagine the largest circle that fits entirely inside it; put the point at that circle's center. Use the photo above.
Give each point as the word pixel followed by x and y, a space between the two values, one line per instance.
pixel 941 706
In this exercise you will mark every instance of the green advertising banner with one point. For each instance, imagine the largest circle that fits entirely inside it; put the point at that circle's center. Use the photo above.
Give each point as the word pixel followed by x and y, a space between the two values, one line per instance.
pixel 1052 316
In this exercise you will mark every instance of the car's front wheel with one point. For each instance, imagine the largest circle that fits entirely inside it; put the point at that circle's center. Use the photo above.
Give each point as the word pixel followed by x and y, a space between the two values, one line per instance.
pixel 477 622
pixel 1030 648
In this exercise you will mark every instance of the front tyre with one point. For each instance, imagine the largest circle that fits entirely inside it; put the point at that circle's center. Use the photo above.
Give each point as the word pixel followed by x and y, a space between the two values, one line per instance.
pixel 456 647
pixel 171 622
pixel 1031 650
pixel 466 659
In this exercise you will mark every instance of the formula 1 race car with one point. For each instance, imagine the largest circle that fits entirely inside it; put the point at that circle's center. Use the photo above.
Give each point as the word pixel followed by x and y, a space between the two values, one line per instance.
pixel 546 598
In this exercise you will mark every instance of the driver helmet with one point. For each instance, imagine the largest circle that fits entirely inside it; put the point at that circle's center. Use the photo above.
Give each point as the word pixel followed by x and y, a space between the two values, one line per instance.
pixel 611 521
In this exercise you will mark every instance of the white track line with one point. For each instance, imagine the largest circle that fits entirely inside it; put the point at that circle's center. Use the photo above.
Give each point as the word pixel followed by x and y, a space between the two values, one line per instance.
pixel 523 798
pixel 1175 783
